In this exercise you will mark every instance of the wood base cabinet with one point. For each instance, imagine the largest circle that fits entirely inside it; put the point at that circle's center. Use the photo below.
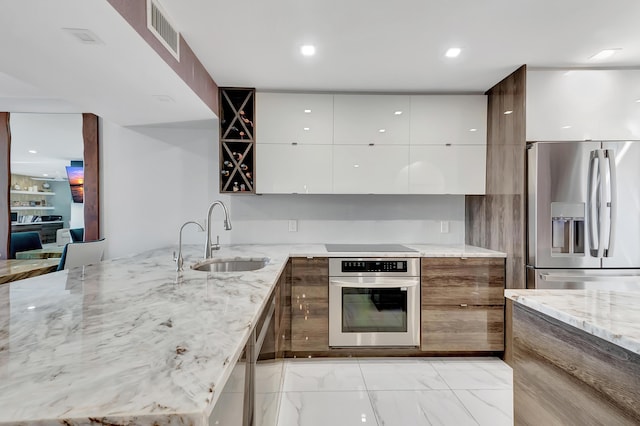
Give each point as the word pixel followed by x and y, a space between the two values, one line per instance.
pixel 565 376
pixel 462 304
pixel 463 328
pixel 309 304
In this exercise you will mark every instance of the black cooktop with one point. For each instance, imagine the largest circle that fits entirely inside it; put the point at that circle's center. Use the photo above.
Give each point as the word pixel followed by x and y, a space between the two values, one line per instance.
pixel 368 248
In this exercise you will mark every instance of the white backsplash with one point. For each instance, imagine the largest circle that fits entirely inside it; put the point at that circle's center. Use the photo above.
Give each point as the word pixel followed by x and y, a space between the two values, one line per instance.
pixel 347 219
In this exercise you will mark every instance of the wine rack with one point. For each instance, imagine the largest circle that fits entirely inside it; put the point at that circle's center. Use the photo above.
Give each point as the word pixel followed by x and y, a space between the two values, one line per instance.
pixel 237 140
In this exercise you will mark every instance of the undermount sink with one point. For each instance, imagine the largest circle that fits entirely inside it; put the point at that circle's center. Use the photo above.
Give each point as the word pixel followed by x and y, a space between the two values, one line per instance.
pixel 231 265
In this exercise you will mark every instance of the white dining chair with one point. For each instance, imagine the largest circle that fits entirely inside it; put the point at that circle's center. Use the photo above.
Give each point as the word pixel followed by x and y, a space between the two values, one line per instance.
pixel 81 253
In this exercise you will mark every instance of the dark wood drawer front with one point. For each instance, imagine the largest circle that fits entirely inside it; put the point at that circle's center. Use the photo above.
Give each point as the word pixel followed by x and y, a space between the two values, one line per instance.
pixel 309 304
pixel 454 281
pixel 457 329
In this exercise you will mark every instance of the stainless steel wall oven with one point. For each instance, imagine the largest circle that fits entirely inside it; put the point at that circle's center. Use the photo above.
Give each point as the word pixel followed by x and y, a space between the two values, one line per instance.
pixel 374 302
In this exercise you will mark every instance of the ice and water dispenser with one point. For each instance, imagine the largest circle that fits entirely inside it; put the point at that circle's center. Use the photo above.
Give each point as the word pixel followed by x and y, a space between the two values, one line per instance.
pixel 567 229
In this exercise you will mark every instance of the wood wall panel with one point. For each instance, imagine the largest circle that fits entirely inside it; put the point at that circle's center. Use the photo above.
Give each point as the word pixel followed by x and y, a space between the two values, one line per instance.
pixel 309 304
pixel 5 181
pixel 564 376
pixel 189 68
pixel 497 219
pixel 91 177
pixel 453 281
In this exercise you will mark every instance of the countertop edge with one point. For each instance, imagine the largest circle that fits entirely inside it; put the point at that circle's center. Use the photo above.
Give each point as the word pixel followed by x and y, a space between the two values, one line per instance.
pixel 536 300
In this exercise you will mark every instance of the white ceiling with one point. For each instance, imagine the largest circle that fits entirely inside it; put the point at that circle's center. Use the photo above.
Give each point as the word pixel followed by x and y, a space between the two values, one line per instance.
pixel 45 69
pixel 375 45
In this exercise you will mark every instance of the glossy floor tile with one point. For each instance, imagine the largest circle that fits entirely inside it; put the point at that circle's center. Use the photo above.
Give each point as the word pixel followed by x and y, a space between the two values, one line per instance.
pixel 323 375
pixel 326 408
pixel 397 391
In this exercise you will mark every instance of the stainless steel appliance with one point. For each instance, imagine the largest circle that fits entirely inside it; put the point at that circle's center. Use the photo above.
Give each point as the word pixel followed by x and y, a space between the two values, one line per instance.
pixel 374 302
pixel 583 214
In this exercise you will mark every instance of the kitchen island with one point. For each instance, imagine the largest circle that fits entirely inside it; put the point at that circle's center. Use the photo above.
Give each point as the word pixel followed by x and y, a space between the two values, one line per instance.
pixel 131 341
pixel 576 357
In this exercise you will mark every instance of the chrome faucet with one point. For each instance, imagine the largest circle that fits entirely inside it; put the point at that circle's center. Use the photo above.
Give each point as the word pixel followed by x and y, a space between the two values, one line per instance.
pixel 227 225
pixel 179 260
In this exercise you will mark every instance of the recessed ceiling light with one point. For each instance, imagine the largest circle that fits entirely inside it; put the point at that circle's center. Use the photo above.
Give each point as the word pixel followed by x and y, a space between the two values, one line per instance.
pixel 83 35
pixel 507 112
pixel 604 54
pixel 453 52
pixel 566 127
pixel 307 111
pixel 356 165
pixel 306 129
pixel 638 101
pixel 33 151
pixel 398 113
pixel 382 130
pixel 473 130
pixel 45 174
pixel 31 307
pixel 308 50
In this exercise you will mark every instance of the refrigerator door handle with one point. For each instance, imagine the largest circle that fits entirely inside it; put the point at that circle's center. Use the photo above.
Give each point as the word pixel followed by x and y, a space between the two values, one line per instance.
pixel 579 278
pixel 595 205
pixel 613 203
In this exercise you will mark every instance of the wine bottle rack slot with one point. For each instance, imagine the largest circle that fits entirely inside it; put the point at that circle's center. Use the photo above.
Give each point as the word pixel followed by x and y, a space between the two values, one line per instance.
pixel 237 140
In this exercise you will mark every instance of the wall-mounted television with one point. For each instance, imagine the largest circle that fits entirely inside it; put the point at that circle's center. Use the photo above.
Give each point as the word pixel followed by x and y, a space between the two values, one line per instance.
pixel 76 182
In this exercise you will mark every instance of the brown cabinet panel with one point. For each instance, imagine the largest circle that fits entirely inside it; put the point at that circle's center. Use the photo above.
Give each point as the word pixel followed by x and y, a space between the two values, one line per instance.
pixel 454 281
pixel 283 312
pixel 565 376
pixel 309 304
pixel 458 328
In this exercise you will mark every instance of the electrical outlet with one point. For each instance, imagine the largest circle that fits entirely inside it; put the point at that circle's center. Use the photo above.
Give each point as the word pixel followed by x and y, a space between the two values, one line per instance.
pixel 293 225
pixel 444 226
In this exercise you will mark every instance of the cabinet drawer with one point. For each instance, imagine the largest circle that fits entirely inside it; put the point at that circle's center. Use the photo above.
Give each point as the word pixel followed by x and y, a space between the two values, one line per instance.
pixel 455 281
pixel 456 328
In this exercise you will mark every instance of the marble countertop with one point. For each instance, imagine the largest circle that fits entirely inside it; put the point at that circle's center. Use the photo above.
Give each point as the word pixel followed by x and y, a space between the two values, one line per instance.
pixel 611 315
pixel 131 341
pixel 421 250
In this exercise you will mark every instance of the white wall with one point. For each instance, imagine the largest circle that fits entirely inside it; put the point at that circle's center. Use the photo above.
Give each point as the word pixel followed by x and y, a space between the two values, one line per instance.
pixel 347 218
pixel 153 179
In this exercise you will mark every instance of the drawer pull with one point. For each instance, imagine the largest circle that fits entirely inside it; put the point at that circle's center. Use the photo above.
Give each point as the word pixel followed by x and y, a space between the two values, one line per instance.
pixel 463 305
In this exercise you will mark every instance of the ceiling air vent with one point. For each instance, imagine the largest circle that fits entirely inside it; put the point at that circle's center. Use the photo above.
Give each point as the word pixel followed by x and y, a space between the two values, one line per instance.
pixel 161 27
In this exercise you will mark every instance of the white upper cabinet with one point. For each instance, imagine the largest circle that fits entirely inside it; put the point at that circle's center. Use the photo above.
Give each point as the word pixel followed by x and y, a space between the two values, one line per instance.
pixel 377 169
pixel 298 169
pixel 365 119
pixel 294 117
pixel 449 119
pixel 440 169
pixel 583 105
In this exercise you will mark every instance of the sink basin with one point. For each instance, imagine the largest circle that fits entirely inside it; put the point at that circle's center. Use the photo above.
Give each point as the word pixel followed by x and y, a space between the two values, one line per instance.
pixel 231 265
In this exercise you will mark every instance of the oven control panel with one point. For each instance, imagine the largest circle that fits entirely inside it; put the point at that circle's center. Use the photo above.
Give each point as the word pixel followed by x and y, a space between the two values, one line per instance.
pixel 374 266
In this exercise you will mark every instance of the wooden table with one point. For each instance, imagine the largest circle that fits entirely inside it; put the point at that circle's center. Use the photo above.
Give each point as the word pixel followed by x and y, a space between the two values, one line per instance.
pixel 16 269
pixel 43 253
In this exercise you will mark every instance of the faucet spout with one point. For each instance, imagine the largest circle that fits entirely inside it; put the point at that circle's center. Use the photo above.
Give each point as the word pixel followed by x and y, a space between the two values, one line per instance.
pixel 227 226
pixel 179 260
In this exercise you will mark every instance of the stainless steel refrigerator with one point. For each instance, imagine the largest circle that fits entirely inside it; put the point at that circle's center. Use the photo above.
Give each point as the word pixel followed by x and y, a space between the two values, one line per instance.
pixel 583 225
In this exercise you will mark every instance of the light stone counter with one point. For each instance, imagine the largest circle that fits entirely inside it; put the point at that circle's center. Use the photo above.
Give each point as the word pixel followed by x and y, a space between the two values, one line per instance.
pixel 610 315
pixel 131 341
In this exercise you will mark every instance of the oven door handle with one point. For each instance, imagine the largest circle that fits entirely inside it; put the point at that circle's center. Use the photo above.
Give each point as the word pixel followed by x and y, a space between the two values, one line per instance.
pixel 375 283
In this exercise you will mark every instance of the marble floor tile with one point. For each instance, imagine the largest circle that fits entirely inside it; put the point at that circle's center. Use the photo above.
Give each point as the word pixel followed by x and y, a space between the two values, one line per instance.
pixel 488 407
pixel 477 378
pixel 402 374
pixel 417 408
pixel 326 409
pixel 323 375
